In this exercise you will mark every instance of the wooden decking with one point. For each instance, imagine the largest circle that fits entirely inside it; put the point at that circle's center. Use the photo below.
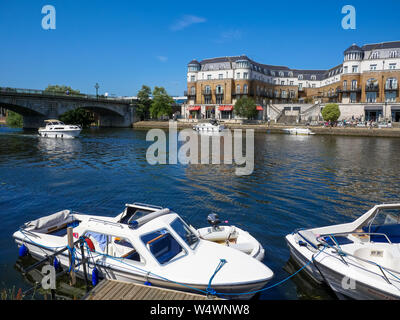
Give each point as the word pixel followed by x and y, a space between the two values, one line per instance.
pixel 119 290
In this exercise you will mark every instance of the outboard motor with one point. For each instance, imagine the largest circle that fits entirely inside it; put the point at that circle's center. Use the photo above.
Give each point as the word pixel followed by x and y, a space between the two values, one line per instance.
pixel 213 220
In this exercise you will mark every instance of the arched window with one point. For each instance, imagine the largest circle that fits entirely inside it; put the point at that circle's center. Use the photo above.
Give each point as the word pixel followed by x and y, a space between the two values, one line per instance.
pixel 245 88
pixel 238 88
pixel 219 89
pixel 300 77
pixel 207 89
pixel 193 90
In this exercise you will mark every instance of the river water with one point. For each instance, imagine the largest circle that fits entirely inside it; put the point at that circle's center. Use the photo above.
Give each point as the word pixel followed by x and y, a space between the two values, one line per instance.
pixel 298 181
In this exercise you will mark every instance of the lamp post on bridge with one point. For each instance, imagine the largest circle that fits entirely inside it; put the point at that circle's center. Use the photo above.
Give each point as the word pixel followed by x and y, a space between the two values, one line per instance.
pixel 97 89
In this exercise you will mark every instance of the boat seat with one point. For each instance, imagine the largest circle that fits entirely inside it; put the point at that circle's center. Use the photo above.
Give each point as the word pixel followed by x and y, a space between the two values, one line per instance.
pixel 391 230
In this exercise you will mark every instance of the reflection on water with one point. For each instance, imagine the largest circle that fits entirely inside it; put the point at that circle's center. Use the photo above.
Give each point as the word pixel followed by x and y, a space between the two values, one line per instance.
pixel 298 181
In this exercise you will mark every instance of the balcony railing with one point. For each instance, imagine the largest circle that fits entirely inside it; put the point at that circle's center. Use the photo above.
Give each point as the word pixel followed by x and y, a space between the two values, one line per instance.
pixel 206 92
pixel 391 86
pixel 372 87
pixel 218 92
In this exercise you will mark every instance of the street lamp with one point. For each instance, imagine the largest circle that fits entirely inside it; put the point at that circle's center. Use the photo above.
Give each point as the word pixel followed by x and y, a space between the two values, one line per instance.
pixel 97 89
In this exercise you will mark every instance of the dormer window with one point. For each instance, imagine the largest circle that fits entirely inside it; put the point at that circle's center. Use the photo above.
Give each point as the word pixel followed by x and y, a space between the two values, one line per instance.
pixel 273 73
pixel 300 77
pixel 375 55
pixel 393 54
pixel 281 74
pixel 290 74
pixel 313 77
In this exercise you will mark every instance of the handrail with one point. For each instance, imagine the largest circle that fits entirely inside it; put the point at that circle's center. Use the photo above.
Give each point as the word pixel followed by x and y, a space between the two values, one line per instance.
pixel 117 224
pixel 61 94
pixel 361 233
pixel 341 253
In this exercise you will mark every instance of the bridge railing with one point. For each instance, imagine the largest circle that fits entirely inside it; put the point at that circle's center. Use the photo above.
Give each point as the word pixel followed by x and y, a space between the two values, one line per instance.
pixel 62 94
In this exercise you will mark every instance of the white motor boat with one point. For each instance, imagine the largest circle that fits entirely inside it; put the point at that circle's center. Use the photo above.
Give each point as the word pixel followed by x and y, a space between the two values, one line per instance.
pixel 232 237
pixel 298 131
pixel 148 244
pixel 360 259
pixel 57 129
pixel 212 126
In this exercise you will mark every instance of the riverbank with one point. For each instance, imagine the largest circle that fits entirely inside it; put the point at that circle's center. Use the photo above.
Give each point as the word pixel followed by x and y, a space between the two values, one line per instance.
pixel 275 128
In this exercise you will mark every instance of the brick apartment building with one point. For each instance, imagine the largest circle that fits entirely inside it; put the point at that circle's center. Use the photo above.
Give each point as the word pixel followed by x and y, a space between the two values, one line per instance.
pixel 365 84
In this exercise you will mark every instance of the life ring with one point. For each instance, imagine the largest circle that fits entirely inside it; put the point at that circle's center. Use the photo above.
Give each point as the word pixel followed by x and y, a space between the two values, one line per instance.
pixel 89 243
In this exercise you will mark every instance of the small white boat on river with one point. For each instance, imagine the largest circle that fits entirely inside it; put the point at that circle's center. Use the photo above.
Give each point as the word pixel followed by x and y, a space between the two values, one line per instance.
pixel 298 131
pixel 57 129
pixel 148 244
pixel 232 237
pixel 212 126
pixel 360 259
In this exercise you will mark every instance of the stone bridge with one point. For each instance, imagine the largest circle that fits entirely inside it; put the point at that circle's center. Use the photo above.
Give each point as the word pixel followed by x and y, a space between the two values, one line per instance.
pixel 38 105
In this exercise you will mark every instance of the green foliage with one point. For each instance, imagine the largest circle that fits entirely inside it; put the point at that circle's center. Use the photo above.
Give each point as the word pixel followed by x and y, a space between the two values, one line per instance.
pixel 144 103
pixel 78 116
pixel 161 104
pixel 61 89
pixel 246 107
pixel 331 112
pixel 14 120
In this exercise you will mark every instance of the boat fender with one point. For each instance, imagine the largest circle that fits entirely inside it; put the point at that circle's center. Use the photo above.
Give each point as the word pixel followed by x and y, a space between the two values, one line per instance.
pixel 23 251
pixel 147 283
pixel 95 276
pixel 56 264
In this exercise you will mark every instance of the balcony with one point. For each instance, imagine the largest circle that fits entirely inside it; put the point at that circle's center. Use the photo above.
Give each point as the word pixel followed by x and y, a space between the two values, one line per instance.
pixel 189 94
pixel 219 92
pixel 351 89
pixel 206 92
pixel 372 88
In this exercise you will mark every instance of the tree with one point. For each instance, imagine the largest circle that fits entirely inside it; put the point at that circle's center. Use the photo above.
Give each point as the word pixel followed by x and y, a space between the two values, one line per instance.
pixel 144 103
pixel 161 104
pixel 331 112
pixel 14 120
pixel 61 89
pixel 246 107
pixel 78 116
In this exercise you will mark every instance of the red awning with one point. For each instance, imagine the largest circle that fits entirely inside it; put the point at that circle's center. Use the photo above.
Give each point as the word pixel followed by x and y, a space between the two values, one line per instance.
pixel 260 108
pixel 195 108
pixel 225 108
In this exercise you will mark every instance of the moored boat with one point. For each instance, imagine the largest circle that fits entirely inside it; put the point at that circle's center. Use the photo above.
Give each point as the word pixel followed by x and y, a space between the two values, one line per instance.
pixel 148 244
pixel 231 236
pixel 360 259
pixel 298 131
pixel 212 126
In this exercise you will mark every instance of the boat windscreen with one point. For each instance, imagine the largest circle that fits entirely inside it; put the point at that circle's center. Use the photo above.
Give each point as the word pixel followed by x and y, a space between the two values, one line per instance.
pixel 184 232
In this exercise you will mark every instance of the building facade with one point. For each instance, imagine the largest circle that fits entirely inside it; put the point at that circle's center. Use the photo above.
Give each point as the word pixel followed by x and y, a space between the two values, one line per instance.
pixel 366 80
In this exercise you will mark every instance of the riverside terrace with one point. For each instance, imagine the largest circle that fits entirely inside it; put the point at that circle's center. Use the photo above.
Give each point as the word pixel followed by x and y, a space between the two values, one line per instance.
pixel 37 105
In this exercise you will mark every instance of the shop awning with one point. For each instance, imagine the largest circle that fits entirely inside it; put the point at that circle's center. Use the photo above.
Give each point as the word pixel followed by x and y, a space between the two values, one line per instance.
pixel 260 108
pixel 195 108
pixel 225 108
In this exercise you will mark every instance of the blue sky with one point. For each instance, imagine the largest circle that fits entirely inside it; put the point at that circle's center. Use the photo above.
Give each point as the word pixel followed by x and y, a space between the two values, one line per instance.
pixel 124 44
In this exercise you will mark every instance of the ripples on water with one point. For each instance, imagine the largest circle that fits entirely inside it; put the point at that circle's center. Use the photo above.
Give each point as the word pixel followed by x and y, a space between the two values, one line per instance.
pixel 298 181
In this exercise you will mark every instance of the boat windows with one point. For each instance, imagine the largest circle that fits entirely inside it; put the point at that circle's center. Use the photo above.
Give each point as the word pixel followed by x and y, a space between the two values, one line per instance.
pixel 132 213
pixel 386 222
pixel 162 245
pixel 123 248
pixel 184 232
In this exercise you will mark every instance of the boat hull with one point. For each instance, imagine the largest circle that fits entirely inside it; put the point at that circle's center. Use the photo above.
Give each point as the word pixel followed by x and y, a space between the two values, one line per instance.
pixel 302 256
pixel 66 134
pixel 114 270
pixel 360 290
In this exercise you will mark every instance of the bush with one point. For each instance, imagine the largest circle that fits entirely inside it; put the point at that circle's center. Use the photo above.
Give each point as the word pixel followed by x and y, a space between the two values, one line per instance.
pixel 78 116
pixel 246 107
pixel 14 120
pixel 331 112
